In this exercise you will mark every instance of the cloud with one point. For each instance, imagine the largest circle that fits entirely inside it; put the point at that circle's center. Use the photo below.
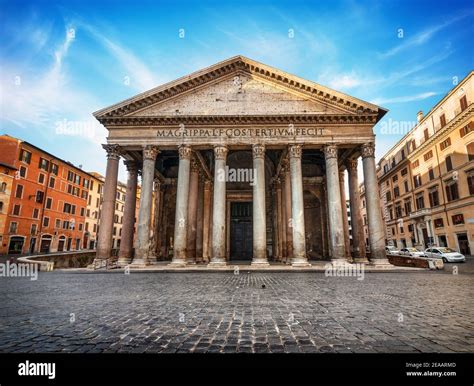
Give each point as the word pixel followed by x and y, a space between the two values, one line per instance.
pixel 406 98
pixel 423 36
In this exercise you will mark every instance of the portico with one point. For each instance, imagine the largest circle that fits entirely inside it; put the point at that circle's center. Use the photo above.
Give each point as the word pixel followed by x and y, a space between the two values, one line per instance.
pixel 242 154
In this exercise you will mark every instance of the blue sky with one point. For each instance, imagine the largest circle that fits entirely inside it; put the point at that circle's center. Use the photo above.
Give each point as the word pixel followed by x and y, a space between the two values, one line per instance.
pixel 62 60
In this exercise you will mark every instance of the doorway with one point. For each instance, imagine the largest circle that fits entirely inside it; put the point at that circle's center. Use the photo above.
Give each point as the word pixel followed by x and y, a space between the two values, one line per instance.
pixel 463 243
pixel 241 231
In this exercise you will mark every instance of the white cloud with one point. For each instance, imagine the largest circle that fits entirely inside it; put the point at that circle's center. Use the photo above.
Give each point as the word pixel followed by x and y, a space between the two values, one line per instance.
pixel 405 98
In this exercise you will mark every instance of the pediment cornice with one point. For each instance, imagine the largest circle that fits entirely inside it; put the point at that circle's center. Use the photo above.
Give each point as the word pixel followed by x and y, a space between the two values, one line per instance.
pixel 241 65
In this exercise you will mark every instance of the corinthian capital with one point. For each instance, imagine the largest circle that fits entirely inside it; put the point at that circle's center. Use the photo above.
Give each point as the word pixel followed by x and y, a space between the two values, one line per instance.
pixel 131 166
pixel 150 152
pixel 220 152
pixel 351 165
pixel 113 151
pixel 330 151
pixel 368 150
pixel 294 151
pixel 258 151
pixel 185 152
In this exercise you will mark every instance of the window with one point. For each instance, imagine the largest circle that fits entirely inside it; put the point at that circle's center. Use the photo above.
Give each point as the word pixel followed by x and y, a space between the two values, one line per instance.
pixel 403 154
pixel 80 227
pixel 463 103
pixel 39 196
pixel 77 180
pixel 22 172
pixel 431 174
pixel 449 163
pixel 49 203
pixel 415 164
pixel 396 191
pixel 54 169
pixel 43 164
pixel 458 219
pixel 41 178
pixel 452 191
pixel 446 143
pixel 428 155
pixel 385 168
pixel 404 171
pixel 438 223
pixel 434 197
pixel 388 196
pixel 470 151
pixel 84 194
pixel 67 208
pixel 3 187
pixel 398 211
pixel 405 183
pixel 395 178
pixel 420 202
pixel 442 120
pixel 46 222
pixel 35 213
pixel 19 191
pixel 16 210
pixel 466 129
pixel 65 224
pixel 25 156
pixel 410 227
pixel 470 184
pixel 57 224
pixel 52 181
pixel 417 180
pixel 13 227
pixel 85 183
pixel 82 212
pixel 426 134
pixel 407 207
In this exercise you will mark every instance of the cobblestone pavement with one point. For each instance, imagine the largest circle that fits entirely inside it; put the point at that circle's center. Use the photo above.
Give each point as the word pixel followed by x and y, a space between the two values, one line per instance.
pixel 223 312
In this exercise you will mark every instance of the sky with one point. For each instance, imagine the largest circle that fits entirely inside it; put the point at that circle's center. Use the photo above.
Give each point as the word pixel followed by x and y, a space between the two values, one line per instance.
pixel 62 60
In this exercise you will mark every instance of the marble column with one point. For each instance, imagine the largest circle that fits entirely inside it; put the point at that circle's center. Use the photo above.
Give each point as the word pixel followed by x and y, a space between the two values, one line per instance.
pixel 192 214
pixel 218 249
pixel 126 243
pixel 279 219
pixel 345 217
pixel 143 254
pixel 289 217
pixel 336 229
pixel 181 217
pixel 156 216
pixel 206 231
pixel 200 220
pixel 104 239
pixel 297 207
pixel 283 216
pixel 372 199
pixel 259 208
pixel 358 243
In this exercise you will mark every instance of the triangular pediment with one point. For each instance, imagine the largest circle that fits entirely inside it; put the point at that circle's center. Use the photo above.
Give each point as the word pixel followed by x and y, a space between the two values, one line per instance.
pixel 239 87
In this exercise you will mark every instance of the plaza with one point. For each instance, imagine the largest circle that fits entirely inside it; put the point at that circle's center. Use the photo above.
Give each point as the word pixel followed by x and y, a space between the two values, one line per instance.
pixel 221 312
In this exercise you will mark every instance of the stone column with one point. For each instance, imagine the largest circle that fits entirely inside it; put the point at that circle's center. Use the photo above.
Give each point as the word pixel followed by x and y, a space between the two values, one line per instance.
pixel 126 245
pixel 200 221
pixel 372 199
pixel 297 207
pixel 192 214
pixel 156 217
pixel 279 219
pixel 218 252
pixel 358 243
pixel 345 218
pixel 283 217
pixel 336 229
pixel 143 255
pixel 104 239
pixel 181 217
pixel 206 231
pixel 259 210
pixel 289 218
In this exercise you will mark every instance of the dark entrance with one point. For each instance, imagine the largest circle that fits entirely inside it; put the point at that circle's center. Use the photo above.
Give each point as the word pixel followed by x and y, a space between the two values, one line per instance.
pixel 241 231
pixel 463 244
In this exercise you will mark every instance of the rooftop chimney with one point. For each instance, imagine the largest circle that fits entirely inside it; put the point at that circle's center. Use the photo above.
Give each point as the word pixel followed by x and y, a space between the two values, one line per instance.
pixel 419 116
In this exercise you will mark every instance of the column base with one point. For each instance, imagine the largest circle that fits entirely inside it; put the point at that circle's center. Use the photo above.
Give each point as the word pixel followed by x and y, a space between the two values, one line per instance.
pixel 217 263
pixel 339 260
pixel 177 263
pixel 190 262
pixel 382 263
pixel 300 263
pixel 260 263
pixel 360 260
pixel 124 261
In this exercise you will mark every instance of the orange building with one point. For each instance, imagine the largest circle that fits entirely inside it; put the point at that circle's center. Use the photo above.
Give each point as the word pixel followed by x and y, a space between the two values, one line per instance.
pixel 47 204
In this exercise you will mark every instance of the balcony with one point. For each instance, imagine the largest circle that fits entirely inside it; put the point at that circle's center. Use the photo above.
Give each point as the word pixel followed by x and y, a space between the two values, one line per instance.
pixel 421 213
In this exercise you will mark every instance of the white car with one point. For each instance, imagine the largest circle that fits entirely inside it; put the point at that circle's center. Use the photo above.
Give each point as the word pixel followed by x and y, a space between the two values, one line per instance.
pixel 391 250
pixel 410 251
pixel 448 255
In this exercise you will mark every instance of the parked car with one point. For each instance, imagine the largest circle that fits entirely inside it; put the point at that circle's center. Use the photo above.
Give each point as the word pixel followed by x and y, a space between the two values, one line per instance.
pixel 411 251
pixel 391 250
pixel 448 255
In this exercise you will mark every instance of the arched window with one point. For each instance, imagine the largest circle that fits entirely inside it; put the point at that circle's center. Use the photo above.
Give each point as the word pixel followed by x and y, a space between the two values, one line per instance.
pixel 3 187
pixel 470 151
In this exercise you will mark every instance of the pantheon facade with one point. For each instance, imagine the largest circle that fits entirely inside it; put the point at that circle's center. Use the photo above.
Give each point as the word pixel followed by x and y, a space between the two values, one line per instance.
pixel 241 162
